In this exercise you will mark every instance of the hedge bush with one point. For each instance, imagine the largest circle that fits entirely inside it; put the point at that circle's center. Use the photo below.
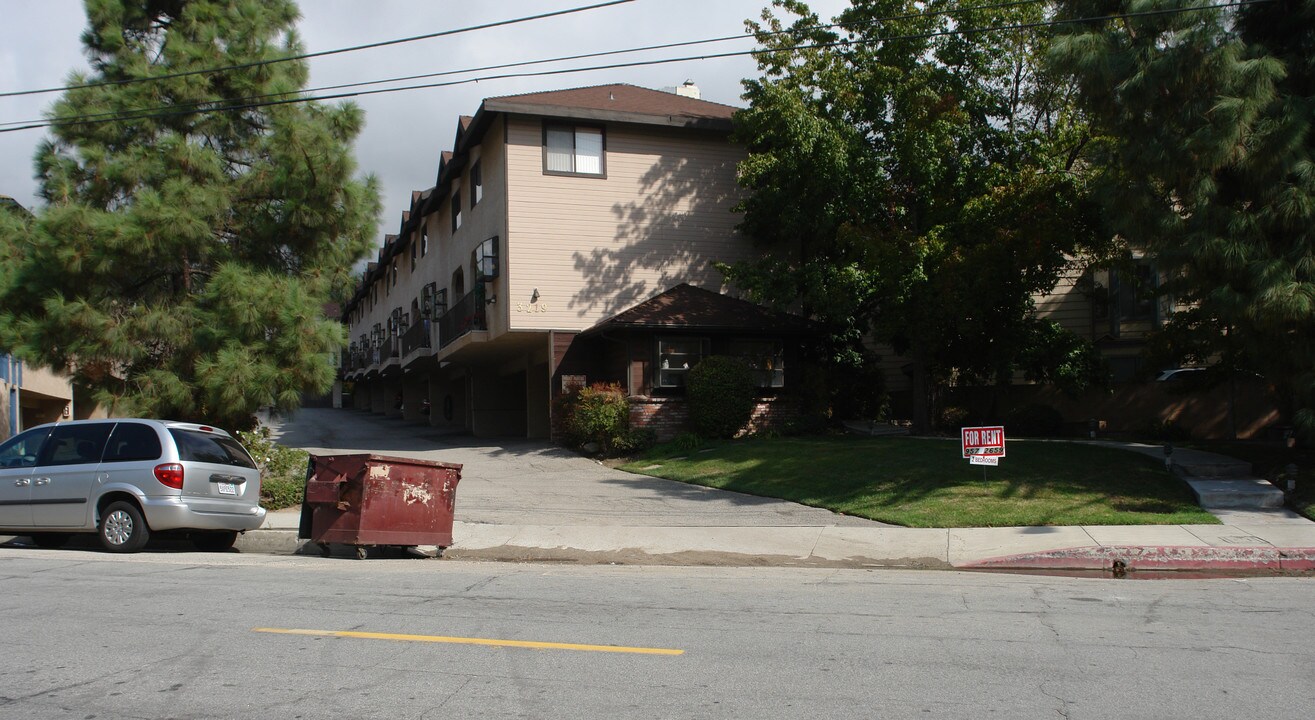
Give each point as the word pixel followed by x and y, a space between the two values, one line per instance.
pixel 721 391
pixel 1034 420
pixel 282 469
pixel 598 414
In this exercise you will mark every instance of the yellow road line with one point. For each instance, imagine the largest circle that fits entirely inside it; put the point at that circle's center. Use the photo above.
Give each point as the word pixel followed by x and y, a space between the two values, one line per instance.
pixel 471 641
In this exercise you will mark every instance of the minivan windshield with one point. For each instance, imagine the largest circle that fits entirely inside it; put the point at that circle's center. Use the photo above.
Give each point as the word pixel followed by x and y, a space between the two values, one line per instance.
pixel 197 446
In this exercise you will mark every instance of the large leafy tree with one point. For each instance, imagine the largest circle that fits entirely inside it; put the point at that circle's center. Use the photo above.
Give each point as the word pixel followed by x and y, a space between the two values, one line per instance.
pixel 187 249
pixel 920 186
pixel 1209 162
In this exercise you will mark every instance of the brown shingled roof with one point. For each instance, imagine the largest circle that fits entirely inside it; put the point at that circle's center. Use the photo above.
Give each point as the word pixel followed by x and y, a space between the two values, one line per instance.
pixel 615 102
pixel 691 308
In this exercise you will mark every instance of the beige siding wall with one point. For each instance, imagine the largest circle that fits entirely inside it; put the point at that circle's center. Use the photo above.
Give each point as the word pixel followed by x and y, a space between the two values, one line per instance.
pixel 1066 303
pixel 47 382
pixel 487 219
pixel 447 250
pixel 596 246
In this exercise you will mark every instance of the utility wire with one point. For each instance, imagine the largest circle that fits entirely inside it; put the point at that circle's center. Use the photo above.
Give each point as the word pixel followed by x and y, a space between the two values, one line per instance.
pixel 322 53
pixel 525 63
pixel 563 71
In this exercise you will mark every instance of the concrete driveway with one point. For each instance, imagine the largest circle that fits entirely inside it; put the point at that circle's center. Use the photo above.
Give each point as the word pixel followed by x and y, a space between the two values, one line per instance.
pixel 522 482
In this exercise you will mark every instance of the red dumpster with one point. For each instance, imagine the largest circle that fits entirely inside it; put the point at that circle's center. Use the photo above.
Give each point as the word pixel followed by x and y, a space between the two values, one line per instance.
pixel 377 500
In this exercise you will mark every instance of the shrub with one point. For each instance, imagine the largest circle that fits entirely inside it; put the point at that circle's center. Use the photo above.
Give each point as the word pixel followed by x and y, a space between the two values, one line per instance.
pixel 721 392
pixel 1034 420
pixel 806 424
pixel 634 441
pixel 596 414
pixel 686 442
pixel 859 393
pixel 952 418
pixel 282 469
pixel 1164 430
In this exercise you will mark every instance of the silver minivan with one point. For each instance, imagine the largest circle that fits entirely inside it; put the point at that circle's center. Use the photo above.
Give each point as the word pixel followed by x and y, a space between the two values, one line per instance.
pixel 126 478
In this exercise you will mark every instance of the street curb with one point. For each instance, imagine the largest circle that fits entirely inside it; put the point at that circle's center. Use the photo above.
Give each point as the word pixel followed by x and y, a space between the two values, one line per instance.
pixel 1187 558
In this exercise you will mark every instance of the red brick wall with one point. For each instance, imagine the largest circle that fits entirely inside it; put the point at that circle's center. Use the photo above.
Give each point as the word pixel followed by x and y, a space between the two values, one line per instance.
pixel 669 417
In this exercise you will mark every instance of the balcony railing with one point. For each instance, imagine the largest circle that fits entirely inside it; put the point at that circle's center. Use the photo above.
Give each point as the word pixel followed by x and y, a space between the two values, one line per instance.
pixel 385 352
pixel 465 316
pixel 416 337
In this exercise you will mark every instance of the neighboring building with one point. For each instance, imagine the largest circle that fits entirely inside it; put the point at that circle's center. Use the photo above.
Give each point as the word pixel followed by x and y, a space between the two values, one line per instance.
pixel 30 396
pixel 555 214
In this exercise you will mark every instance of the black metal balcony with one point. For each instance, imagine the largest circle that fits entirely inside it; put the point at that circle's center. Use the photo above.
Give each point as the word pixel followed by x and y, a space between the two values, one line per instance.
pixel 466 315
pixel 416 337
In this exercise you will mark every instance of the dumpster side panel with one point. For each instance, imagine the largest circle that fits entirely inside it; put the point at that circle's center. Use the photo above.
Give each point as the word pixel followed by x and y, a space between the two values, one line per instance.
pixel 380 500
pixel 408 504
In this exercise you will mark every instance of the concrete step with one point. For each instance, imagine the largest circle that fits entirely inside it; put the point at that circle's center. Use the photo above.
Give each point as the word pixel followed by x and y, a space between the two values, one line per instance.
pixel 1236 492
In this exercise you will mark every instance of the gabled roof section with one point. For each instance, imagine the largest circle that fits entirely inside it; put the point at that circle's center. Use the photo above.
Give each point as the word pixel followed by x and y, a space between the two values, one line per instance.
pixel 12 205
pixel 618 103
pixel 685 307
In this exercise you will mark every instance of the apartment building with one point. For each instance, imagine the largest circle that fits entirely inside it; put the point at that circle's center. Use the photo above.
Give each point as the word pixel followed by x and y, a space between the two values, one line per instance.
pixel 553 214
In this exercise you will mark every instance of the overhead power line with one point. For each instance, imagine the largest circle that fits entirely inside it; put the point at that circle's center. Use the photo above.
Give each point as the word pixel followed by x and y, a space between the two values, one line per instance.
pixel 525 63
pixel 321 53
pixel 484 68
pixel 241 104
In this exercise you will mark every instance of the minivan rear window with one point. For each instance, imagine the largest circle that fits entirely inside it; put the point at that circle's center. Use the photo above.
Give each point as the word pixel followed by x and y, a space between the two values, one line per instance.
pixel 132 441
pixel 196 446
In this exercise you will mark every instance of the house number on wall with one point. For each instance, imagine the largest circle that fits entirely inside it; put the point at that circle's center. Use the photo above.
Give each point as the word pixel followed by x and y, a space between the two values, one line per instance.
pixel 535 307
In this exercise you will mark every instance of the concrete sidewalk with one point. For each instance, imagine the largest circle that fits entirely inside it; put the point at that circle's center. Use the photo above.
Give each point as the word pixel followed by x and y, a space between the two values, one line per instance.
pixel 524 501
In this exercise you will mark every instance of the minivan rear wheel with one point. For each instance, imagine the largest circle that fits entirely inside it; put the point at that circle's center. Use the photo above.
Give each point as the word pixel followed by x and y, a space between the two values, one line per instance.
pixel 214 541
pixel 122 528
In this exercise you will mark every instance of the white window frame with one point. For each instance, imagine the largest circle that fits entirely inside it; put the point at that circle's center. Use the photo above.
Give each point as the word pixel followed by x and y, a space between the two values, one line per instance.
pixel 586 155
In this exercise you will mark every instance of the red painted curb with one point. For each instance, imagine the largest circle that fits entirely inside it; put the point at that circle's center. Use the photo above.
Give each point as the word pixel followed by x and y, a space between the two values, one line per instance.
pixel 1158 558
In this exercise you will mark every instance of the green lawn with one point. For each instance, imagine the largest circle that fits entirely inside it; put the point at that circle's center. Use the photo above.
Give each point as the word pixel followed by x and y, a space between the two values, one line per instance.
pixel 925 483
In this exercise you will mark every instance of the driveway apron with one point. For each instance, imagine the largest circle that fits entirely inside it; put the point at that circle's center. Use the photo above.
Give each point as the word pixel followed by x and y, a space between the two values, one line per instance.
pixel 526 482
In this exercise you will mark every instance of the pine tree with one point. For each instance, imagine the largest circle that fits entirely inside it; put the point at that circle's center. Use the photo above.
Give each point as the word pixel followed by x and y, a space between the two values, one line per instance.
pixel 188 245
pixel 1208 161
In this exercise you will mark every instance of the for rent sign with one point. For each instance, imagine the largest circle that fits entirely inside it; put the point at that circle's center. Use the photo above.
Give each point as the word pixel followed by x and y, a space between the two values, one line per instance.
pixel 983 445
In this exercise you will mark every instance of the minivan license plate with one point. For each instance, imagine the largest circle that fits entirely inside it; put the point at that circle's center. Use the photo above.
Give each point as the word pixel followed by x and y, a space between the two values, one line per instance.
pixel 227 488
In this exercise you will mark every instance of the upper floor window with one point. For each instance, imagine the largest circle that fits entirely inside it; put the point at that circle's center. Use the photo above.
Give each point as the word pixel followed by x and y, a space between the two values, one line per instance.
pixel 456 210
pixel 1133 292
pixel 414 250
pixel 476 184
pixel 573 150
pixel 424 240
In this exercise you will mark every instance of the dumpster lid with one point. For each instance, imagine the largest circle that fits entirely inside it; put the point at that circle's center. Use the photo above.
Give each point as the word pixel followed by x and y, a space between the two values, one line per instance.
pixel 372 458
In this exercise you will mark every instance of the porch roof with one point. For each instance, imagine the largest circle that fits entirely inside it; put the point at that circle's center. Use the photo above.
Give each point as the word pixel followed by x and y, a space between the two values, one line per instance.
pixel 685 307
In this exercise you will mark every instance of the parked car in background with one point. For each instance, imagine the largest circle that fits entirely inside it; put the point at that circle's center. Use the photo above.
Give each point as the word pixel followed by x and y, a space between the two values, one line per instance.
pixel 125 479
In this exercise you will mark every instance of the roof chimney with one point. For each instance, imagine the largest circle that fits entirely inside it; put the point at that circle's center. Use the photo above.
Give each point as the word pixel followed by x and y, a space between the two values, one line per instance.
pixel 689 90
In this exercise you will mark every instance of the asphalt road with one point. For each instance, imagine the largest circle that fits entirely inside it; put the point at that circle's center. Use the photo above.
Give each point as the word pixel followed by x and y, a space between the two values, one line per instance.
pixel 197 635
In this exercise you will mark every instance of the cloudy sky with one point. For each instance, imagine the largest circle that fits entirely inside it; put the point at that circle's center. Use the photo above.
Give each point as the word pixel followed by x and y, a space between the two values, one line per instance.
pixel 406 131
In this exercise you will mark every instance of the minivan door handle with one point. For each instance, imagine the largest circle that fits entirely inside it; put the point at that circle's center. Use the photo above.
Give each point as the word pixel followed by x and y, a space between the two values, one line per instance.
pixel 43 481
pixel 24 482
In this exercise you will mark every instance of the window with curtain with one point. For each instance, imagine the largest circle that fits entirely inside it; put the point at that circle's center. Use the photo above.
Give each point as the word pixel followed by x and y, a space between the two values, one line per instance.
pixel 573 150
